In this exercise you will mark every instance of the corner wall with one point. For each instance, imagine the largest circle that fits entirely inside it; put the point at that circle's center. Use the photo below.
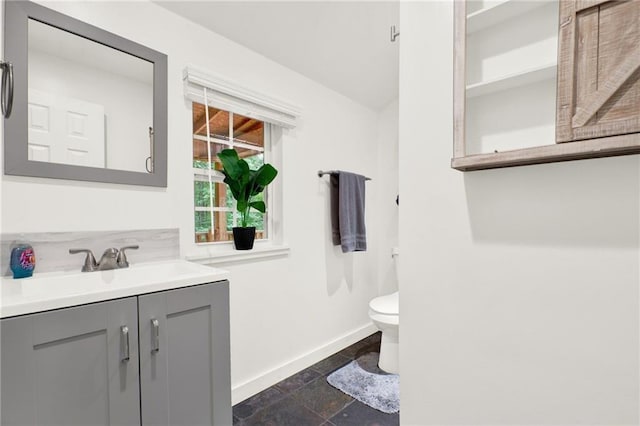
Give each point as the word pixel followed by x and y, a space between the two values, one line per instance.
pixel 286 313
pixel 387 193
pixel 519 288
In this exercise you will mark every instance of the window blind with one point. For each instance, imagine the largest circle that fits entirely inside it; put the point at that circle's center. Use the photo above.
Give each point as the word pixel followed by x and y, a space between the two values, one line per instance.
pixel 230 96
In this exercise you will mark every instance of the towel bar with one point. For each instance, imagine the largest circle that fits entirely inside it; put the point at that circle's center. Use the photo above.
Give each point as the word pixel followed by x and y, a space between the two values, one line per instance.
pixel 331 172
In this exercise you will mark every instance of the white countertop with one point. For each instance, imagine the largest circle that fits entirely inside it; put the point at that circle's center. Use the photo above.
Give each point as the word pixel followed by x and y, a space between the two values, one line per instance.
pixel 46 291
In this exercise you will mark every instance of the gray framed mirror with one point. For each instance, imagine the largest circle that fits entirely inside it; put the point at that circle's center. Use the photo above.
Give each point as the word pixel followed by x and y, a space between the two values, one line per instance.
pixel 88 105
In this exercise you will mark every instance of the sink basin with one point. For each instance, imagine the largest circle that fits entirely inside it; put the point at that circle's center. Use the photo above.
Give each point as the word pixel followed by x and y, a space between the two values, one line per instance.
pixel 58 290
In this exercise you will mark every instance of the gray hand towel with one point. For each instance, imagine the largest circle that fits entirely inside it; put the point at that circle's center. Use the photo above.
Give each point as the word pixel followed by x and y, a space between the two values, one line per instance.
pixel 334 180
pixel 347 211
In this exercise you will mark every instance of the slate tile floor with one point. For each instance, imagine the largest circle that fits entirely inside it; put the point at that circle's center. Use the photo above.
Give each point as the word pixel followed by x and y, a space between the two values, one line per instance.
pixel 306 399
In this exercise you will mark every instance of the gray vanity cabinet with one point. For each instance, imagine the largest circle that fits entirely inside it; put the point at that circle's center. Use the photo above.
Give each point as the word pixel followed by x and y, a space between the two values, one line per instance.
pixel 72 366
pixel 184 356
pixel 155 359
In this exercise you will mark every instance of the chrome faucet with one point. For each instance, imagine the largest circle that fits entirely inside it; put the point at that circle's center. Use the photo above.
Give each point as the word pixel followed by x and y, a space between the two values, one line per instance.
pixel 108 259
pixel 90 263
pixel 112 258
pixel 121 259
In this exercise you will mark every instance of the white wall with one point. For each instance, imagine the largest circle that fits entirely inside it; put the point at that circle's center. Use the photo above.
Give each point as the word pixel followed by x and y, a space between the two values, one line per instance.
pixel 285 312
pixel 519 287
pixel 2 125
pixel 387 193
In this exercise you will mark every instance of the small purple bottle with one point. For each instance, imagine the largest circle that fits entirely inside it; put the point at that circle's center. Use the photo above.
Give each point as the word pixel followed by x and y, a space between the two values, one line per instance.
pixel 23 261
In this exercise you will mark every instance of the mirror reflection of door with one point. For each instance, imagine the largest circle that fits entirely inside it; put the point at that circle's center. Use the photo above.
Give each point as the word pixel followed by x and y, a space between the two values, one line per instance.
pixel 65 130
pixel 89 104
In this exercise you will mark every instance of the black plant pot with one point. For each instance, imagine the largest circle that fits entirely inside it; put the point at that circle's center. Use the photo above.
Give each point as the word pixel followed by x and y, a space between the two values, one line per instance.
pixel 243 237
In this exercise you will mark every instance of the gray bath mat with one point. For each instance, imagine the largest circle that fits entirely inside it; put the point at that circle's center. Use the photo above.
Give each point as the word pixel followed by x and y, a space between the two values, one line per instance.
pixel 379 391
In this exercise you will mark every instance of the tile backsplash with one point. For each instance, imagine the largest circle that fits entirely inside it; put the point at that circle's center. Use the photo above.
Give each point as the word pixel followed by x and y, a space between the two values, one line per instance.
pixel 52 248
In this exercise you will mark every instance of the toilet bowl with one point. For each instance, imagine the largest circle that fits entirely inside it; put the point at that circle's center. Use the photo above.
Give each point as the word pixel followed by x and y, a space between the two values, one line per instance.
pixel 384 312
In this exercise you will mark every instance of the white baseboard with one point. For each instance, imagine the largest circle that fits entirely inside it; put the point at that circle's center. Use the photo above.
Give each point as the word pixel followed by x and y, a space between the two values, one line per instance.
pixel 259 383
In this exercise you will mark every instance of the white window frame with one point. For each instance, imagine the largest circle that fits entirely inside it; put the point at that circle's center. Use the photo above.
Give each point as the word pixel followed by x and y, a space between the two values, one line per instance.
pixel 282 116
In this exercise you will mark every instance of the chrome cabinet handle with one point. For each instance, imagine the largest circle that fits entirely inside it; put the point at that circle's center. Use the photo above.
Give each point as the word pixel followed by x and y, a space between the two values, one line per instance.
pixel 155 335
pixel 124 340
pixel 6 98
pixel 149 164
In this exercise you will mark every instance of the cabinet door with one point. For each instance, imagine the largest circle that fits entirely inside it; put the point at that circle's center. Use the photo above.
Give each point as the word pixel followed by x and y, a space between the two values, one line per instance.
pixel 70 367
pixel 599 69
pixel 184 356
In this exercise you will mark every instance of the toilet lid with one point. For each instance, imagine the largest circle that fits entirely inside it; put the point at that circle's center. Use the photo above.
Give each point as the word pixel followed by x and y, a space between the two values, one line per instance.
pixel 388 305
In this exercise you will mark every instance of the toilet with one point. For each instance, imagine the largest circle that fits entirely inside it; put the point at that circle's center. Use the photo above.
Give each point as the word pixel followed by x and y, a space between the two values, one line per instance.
pixel 384 311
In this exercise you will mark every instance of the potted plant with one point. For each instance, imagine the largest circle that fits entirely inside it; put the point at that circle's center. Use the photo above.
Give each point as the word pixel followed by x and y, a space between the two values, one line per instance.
pixel 245 184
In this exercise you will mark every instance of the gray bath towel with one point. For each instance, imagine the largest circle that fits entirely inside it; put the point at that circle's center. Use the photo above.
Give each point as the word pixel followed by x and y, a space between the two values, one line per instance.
pixel 347 211
pixel 334 181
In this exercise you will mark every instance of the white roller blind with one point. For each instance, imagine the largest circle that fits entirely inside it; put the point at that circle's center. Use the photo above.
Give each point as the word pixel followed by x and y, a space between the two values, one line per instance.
pixel 229 96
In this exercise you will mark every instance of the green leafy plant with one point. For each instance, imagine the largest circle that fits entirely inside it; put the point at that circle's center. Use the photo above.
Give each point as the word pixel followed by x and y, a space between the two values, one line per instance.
pixel 245 184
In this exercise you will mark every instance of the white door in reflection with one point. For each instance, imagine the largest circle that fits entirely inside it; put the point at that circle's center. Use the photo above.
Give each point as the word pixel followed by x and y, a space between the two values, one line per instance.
pixel 65 130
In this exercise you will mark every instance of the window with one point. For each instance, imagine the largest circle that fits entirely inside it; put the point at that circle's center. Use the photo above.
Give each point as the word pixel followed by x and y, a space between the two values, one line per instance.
pixel 254 124
pixel 215 129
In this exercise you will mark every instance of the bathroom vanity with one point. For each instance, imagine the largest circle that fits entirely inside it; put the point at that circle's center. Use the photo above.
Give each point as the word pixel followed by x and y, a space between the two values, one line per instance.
pixel 147 345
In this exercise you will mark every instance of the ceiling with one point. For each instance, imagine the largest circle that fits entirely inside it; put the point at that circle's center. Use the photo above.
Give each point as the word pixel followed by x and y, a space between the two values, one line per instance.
pixel 343 45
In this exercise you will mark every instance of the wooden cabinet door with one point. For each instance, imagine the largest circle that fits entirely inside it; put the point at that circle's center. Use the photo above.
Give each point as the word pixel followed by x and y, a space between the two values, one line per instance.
pixel 598 69
pixel 71 366
pixel 184 356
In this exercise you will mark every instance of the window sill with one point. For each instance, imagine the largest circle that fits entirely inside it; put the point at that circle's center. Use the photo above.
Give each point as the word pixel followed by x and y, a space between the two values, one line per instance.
pixel 233 256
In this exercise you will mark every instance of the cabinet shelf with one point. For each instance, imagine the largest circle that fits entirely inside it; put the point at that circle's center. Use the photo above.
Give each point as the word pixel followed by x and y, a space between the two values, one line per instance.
pixel 499 12
pixel 591 148
pixel 510 81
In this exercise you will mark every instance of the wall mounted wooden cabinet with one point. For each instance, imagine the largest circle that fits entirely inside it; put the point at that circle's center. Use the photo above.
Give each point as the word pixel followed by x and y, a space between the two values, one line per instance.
pixel 544 81
pixel 601 42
